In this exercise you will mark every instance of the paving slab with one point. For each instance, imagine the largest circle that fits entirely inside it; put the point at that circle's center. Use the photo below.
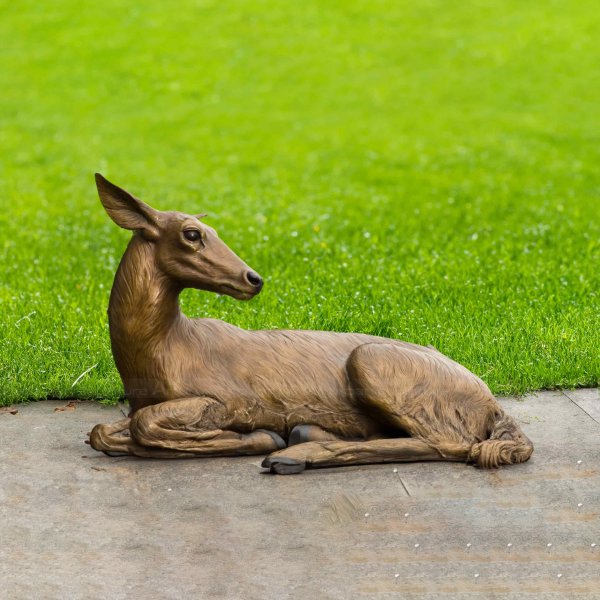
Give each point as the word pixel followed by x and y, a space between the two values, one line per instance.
pixel 77 524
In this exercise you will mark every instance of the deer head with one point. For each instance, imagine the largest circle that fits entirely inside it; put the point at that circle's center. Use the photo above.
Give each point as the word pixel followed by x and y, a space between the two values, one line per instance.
pixel 187 252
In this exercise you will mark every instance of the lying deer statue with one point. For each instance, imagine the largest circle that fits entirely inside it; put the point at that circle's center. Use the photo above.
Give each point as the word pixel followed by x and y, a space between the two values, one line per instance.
pixel 202 387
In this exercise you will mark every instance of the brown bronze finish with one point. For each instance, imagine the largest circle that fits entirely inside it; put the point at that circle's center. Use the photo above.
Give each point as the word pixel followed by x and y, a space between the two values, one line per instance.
pixel 202 387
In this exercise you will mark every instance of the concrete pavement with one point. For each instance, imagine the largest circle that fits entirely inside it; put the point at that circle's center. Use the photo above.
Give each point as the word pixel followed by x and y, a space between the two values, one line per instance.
pixel 77 524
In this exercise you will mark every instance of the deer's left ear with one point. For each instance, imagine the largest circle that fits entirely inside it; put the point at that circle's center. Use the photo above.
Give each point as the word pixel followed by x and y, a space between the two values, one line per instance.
pixel 126 210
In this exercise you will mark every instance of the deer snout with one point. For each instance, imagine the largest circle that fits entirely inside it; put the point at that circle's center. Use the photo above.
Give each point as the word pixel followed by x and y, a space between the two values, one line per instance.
pixel 255 280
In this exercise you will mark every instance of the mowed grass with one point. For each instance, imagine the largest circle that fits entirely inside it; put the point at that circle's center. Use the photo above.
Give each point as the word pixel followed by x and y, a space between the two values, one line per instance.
pixel 428 171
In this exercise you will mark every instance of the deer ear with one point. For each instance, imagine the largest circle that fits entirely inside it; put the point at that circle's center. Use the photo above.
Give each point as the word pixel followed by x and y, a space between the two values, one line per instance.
pixel 126 210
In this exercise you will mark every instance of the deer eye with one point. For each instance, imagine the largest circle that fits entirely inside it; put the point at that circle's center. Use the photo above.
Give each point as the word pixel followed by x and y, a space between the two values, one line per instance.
pixel 192 235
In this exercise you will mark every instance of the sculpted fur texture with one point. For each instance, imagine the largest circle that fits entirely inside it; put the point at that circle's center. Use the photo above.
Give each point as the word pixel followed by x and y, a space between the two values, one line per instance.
pixel 202 387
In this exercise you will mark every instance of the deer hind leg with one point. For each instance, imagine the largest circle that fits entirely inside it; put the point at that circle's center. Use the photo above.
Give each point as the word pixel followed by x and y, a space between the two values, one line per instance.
pixel 295 459
pixel 183 429
pixel 439 401
pixel 440 404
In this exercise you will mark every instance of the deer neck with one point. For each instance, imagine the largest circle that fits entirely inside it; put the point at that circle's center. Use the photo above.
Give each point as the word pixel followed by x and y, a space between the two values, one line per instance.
pixel 142 312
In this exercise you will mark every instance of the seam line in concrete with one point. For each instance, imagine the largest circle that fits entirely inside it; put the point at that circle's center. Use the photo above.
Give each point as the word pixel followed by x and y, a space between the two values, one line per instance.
pixel 580 407
pixel 403 485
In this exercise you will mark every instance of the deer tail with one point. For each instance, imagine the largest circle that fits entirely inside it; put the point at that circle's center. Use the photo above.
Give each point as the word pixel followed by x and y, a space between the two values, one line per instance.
pixel 507 445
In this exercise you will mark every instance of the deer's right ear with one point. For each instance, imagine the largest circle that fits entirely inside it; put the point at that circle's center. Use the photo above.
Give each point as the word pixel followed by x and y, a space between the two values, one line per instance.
pixel 126 210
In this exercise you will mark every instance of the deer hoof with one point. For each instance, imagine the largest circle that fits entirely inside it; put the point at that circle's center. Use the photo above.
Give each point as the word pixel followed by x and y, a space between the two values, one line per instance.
pixel 299 435
pixel 279 441
pixel 283 465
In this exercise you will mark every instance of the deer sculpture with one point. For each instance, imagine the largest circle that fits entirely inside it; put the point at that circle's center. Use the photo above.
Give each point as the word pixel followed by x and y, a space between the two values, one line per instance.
pixel 202 387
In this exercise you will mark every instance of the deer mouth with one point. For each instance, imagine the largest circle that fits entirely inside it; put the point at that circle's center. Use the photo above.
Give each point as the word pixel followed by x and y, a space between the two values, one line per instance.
pixel 237 293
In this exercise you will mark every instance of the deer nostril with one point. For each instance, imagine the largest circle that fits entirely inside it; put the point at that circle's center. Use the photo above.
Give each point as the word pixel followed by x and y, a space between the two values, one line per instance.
pixel 254 279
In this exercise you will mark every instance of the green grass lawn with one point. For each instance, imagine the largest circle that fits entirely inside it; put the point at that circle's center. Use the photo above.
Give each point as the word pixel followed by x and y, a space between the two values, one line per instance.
pixel 422 170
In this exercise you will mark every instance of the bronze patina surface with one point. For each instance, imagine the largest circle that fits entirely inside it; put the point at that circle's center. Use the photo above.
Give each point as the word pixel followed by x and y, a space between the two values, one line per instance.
pixel 202 387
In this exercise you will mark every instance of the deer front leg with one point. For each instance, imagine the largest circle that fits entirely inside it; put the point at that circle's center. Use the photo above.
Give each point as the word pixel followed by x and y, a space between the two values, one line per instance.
pixel 114 439
pixel 301 434
pixel 184 428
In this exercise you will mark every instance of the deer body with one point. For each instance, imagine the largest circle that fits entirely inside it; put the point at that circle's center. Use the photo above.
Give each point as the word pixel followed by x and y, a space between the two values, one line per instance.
pixel 161 355
pixel 201 387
